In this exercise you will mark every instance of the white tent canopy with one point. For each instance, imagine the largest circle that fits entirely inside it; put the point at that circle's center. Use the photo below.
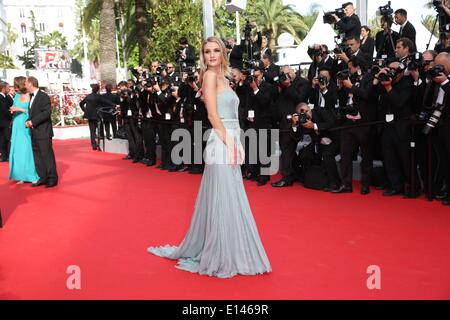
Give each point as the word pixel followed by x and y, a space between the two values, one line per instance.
pixel 320 33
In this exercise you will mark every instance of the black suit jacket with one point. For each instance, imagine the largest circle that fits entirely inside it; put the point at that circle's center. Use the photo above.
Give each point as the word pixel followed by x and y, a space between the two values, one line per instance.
pixel 383 44
pixel 262 103
pixel 190 56
pixel 330 97
pixel 351 26
pixel 313 68
pixel 409 32
pixel 430 96
pixel 368 48
pixel 40 117
pixel 271 72
pixel 90 105
pixel 5 115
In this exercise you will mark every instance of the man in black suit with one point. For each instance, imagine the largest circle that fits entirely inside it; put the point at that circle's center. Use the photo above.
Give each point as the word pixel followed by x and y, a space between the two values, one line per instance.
pixel 90 106
pixel 324 90
pixel 5 121
pixel 111 101
pixel 350 24
pixel 438 93
pixel 259 114
pixel 353 50
pixel 386 39
pixel 293 91
pixel 407 30
pixel 396 108
pixel 320 57
pixel 271 71
pixel 356 91
pixel 186 53
pixel 40 123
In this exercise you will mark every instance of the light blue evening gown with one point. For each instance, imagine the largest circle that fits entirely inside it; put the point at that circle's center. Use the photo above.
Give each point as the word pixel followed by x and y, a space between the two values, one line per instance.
pixel 222 239
pixel 21 159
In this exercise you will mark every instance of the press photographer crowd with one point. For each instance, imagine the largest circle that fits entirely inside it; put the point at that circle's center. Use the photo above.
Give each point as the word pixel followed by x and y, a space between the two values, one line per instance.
pixel 373 98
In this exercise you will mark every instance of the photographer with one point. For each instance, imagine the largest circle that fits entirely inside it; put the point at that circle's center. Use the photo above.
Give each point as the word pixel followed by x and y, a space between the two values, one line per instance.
pixel 261 97
pixel 130 113
pixel 350 23
pixel 185 55
pixel 110 118
pixel 386 39
pixel 395 92
pixel 247 53
pixel 192 110
pixel 353 45
pixel 444 42
pixel 147 110
pixel 324 91
pixel 358 106
pixel 407 30
pixel 320 57
pixel 270 70
pixel 292 92
pixel 315 123
pixel 175 78
pixel 164 113
pixel 437 100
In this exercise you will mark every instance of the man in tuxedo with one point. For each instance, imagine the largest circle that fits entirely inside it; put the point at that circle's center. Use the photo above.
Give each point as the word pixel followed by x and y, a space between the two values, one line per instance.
pixel 110 100
pixel 324 90
pixel 353 50
pixel 271 71
pixel 356 91
pixel 5 121
pixel 320 57
pixel 186 53
pixel 40 123
pixel 407 30
pixel 396 107
pixel 350 24
pixel 292 92
pixel 259 115
pixel 438 93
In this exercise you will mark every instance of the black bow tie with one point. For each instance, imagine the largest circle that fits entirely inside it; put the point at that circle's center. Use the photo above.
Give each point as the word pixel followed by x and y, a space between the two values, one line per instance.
pixel 31 95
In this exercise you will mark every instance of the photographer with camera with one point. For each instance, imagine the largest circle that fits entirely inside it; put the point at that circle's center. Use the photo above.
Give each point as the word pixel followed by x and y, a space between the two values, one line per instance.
pixel 404 49
pixel 110 118
pixel 90 106
pixel 386 39
pixel 358 106
pixel 292 92
pixel 164 103
pixel 352 49
pixel 259 115
pixel 129 110
pixel 437 101
pixel 270 70
pixel 395 91
pixel 324 90
pixel 247 54
pixel 147 110
pixel 323 147
pixel 185 54
pixel 407 30
pixel 320 57
pixel 349 23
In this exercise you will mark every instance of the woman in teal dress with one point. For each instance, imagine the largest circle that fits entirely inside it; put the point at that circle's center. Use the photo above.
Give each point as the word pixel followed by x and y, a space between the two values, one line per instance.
pixel 21 160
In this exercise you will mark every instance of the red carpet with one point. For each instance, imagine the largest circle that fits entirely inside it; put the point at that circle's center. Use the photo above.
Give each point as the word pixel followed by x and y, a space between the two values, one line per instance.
pixel 107 211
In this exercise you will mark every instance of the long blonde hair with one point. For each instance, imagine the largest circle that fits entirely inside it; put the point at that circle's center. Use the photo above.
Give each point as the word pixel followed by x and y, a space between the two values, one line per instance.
pixel 224 63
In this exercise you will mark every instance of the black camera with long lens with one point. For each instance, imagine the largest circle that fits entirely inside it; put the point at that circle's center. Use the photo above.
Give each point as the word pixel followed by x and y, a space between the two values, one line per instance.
pixel 416 61
pixel 341 48
pixel 249 75
pixel 435 71
pixel 434 118
pixel 302 117
pixel 328 16
pixel 377 65
pixel 248 30
pixel 388 76
pixel 282 78
pixel 154 79
pixel 313 52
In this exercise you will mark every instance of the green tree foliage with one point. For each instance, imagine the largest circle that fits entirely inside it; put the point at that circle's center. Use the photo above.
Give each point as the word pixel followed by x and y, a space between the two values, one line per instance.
pixel 6 62
pixel 173 19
